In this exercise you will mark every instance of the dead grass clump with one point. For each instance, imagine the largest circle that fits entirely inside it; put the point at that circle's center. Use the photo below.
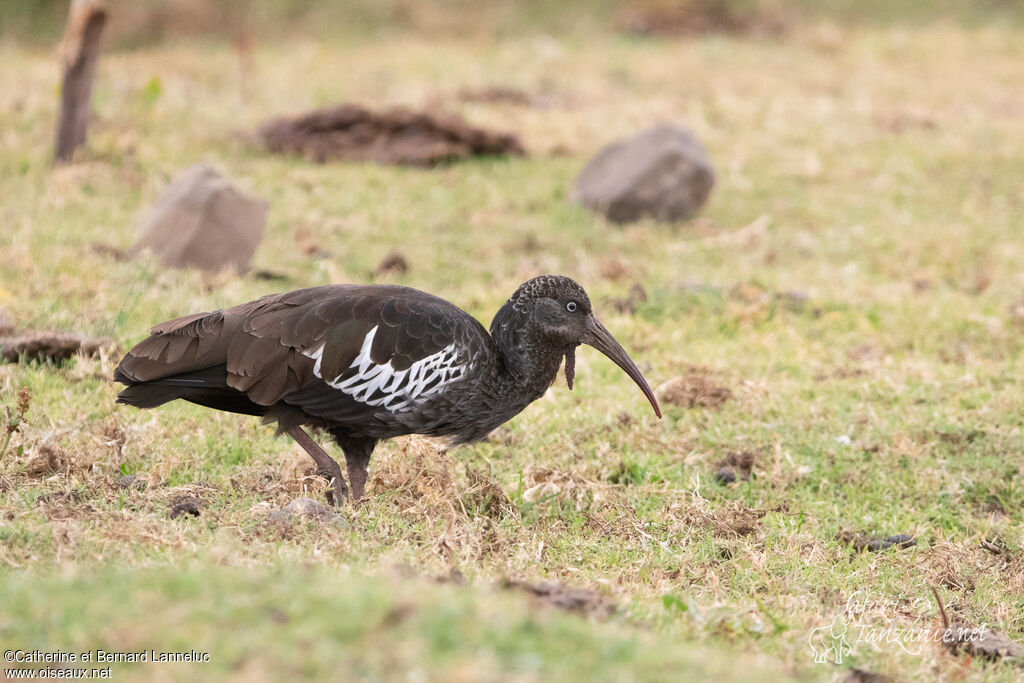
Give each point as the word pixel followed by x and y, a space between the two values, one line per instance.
pixel 16 418
pixel 484 497
pixel 421 483
pixel 736 520
pixel 582 490
pixel 733 520
pixel 350 132
pixel 423 473
pixel 952 566
pixel 69 504
pixel 672 18
pixel 110 434
pixel 422 480
pixel 292 476
pixel 46 460
pixel 695 389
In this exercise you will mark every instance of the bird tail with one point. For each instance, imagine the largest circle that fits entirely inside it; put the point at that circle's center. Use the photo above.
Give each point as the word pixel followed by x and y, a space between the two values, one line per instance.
pixel 207 387
pixel 149 395
pixel 153 393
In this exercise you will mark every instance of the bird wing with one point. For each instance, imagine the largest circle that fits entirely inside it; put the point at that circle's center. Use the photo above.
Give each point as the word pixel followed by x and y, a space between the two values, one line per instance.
pixel 336 351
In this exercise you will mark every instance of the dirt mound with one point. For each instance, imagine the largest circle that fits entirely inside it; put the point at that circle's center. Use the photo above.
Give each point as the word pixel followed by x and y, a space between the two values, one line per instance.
pixel 400 136
pixel 695 389
pixel 54 346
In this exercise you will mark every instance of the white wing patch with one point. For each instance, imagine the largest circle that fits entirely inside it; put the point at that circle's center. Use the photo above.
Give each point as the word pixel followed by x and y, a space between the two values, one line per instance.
pixel 382 385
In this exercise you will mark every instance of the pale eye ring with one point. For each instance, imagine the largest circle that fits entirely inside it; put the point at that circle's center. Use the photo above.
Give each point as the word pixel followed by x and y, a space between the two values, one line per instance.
pixel 571 307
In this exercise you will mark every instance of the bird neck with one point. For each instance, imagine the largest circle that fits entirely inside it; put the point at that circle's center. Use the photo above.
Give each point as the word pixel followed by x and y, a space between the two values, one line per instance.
pixel 528 364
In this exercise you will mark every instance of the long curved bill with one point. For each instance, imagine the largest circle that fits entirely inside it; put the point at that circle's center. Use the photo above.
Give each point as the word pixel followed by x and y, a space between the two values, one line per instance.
pixel 601 339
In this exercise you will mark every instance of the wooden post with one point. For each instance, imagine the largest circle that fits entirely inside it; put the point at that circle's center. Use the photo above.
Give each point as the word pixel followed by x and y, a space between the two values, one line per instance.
pixel 80 51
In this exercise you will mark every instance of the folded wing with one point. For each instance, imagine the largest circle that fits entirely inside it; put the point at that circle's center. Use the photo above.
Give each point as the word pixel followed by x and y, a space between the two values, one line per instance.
pixel 340 353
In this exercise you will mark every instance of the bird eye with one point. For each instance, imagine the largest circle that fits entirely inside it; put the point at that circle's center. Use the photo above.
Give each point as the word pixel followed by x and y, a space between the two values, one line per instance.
pixel 571 307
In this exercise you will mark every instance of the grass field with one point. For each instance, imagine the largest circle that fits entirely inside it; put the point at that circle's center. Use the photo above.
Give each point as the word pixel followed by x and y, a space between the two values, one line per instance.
pixel 855 283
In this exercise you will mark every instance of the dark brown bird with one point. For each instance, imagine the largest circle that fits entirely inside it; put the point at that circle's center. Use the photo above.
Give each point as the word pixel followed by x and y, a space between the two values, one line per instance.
pixel 369 362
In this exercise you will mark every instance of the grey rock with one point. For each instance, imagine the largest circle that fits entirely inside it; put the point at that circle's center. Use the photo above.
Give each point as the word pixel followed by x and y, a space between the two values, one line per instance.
pixel 662 173
pixel 201 220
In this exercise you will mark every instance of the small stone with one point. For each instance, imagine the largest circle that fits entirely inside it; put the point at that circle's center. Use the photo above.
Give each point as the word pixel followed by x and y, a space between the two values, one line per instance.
pixel 662 173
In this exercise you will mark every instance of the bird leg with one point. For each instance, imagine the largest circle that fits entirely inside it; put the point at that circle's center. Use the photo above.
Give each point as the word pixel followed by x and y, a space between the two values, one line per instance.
pixel 357 451
pixel 356 465
pixel 326 466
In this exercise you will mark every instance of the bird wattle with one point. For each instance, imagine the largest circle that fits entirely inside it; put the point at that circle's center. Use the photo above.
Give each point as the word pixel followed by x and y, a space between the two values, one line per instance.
pixel 570 367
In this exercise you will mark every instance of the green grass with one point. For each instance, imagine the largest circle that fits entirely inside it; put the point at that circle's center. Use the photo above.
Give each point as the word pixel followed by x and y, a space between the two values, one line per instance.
pixel 880 170
pixel 307 622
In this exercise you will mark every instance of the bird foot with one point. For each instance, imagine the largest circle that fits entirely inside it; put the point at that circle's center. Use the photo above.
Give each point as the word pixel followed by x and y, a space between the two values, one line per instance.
pixel 326 466
pixel 337 491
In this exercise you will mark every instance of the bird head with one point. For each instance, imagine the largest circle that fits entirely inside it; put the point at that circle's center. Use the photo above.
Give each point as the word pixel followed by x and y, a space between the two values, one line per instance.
pixel 554 312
